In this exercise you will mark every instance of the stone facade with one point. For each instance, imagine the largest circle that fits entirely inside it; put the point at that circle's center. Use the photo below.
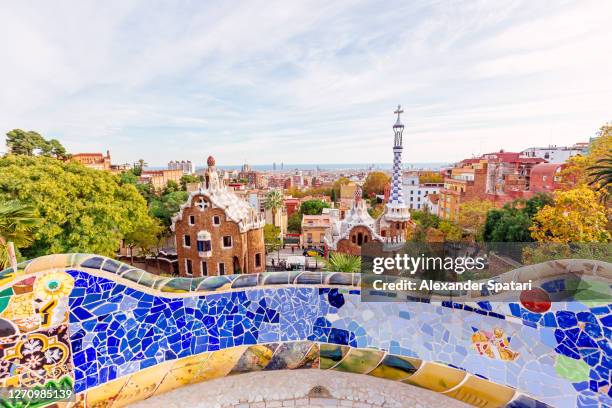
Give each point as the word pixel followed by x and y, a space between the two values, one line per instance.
pixel 96 161
pixel 217 233
pixel 357 236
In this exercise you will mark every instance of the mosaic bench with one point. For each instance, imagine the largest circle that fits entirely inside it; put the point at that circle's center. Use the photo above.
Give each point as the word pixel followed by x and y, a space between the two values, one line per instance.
pixel 116 334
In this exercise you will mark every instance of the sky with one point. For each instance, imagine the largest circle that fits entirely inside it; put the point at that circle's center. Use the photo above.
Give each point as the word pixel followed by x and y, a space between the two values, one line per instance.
pixel 304 82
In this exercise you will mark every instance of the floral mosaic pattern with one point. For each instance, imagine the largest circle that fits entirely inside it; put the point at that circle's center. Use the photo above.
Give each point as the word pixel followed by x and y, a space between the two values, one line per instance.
pixel 123 334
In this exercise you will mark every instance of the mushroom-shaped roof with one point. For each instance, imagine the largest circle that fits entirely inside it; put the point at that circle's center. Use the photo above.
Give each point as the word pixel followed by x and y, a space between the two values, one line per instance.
pixel 210 161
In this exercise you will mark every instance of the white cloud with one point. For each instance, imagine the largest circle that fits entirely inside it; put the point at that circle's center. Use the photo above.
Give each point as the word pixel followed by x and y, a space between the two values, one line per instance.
pixel 304 81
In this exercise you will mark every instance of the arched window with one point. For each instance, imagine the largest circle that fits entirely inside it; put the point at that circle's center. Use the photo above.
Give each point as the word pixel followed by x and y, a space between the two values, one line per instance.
pixel 359 239
pixel 353 238
pixel 365 239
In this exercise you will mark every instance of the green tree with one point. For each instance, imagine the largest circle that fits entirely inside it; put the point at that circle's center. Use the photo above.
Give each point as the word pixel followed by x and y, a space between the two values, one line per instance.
pixel 128 177
pixel 375 183
pixel 272 238
pixel 294 223
pixel 17 225
pixel 144 236
pixel 313 207
pixel 53 148
pixel 472 216
pixel 187 179
pixel 424 221
pixel 164 207
pixel 31 143
pixel 273 202
pixel 511 223
pixel 333 196
pixel 171 187
pixel 535 203
pixel 139 167
pixel 451 231
pixel 341 262
pixel 84 210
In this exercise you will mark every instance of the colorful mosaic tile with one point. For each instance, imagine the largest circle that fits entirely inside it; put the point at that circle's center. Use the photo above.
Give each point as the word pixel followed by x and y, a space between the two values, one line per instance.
pixel 118 334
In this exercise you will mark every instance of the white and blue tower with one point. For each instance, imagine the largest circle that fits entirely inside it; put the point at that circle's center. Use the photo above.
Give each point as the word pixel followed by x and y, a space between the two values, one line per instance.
pixel 397 214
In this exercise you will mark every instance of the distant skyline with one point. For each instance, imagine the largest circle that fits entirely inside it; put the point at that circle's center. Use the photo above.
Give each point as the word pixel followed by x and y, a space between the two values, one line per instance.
pixel 305 82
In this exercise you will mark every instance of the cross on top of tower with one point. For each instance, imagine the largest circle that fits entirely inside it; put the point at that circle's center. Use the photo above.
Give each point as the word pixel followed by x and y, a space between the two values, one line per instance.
pixel 398 111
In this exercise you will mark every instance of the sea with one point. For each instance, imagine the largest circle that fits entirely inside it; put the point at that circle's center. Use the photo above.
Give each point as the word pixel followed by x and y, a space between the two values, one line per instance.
pixel 335 166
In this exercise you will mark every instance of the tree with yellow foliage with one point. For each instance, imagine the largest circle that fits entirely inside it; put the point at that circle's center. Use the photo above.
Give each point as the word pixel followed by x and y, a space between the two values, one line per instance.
pixel 577 168
pixel 375 183
pixel 576 216
pixel 472 216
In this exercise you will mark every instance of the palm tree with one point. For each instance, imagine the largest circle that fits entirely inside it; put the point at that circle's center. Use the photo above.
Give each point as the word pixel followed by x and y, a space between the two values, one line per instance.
pixel 601 176
pixel 139 166
pixel 273 202
pixel 17 223
pixel 340 262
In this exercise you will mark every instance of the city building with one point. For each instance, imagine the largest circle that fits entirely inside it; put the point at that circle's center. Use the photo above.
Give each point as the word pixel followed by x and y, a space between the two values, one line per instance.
pixel 464 182
pixel 546 177
pixel 315 228
pixel 357 227
pixel 120 168
pixel 159 178
pixel 292 205
pixel 499 177
pixel 218 233
pixel 417 192
pixel 96 161
pixel 253 179
pixel 554 154
pixel 185 166
pixel 277 218
pixel 431 203
pixel 509 176
pixel 297 179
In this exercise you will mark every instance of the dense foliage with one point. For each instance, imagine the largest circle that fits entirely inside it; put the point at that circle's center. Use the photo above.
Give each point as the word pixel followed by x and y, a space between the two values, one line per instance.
pixel 84 210
pixel 17 224
pixel 341 262
pixel 512 222
pixel 375 183
pixel 313 207
pixel 576 216
pixel 31 143
pixel 272 238
pixel 294 223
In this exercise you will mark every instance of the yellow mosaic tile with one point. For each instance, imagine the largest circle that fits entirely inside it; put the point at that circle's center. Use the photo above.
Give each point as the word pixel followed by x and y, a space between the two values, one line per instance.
pixel 360 361
pixel 185 371
pixel 104 395
pixel 141 384
pixel 396 368
pixel 482 393
pixel 436 377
